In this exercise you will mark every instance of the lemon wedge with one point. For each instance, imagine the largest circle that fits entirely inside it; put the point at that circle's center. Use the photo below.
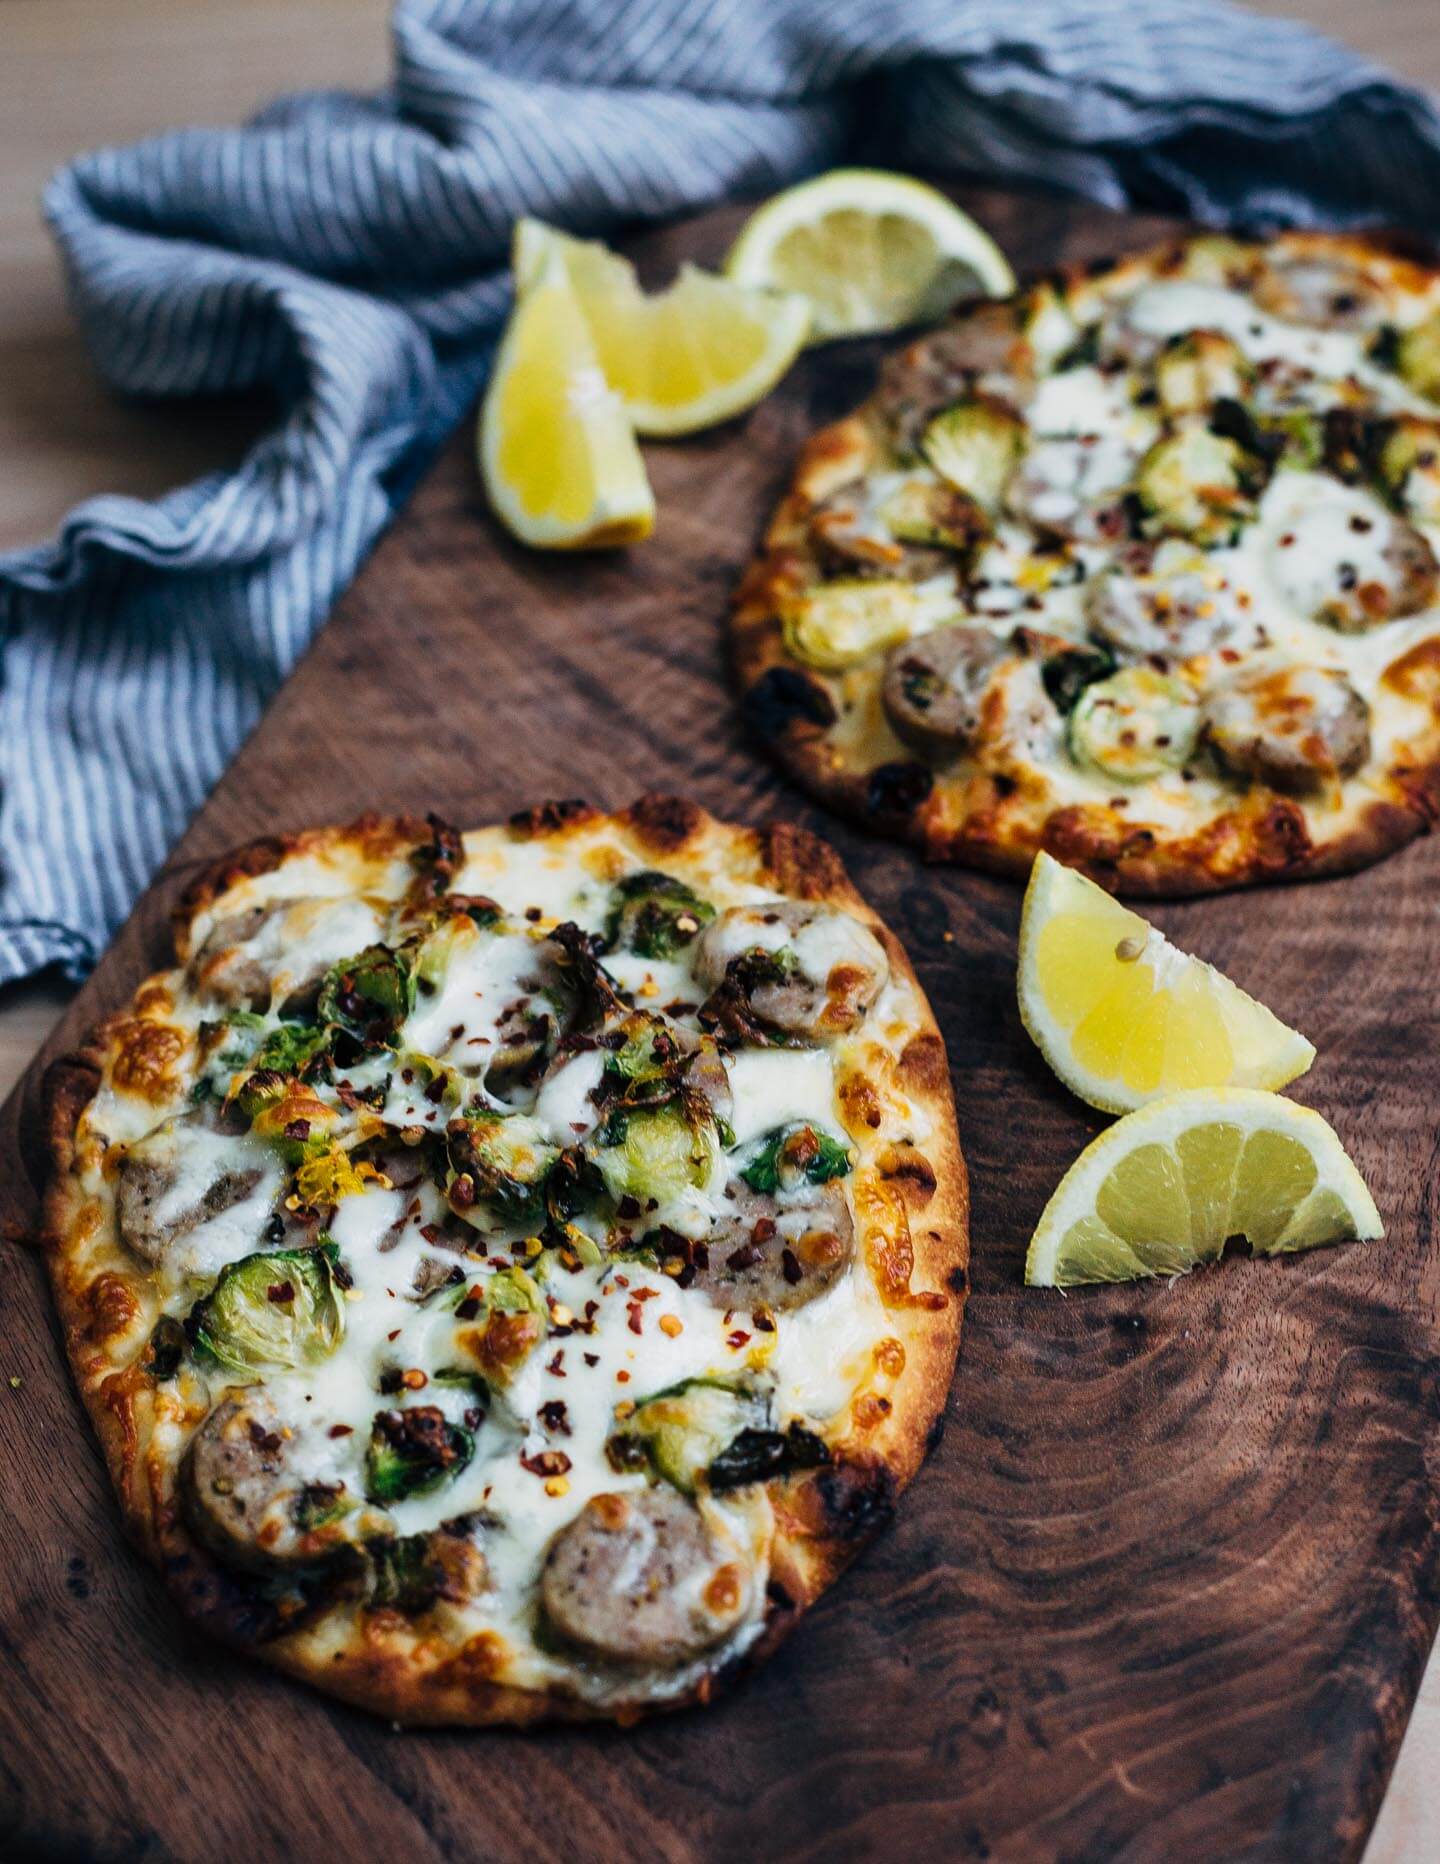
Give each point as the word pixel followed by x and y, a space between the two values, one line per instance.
pixel 685 358
pixel 557 451
pixel 1122 1016
pixel 871 251
pixel 1169 1185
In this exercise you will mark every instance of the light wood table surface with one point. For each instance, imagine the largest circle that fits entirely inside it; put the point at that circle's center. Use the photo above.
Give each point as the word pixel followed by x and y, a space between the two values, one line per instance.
pixel 78 73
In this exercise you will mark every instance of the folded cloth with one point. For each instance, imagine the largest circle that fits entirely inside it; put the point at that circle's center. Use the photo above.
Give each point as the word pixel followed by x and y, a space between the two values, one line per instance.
pixel 346 255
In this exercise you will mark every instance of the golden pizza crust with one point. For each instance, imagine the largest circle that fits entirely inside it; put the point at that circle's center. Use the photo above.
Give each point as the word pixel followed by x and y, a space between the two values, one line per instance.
pixel 912 1232
pixel 998 823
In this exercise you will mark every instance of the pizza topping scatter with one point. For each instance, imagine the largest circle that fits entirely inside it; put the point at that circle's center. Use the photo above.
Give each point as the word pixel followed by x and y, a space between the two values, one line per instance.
pixel 1172 520
pixel 432 1135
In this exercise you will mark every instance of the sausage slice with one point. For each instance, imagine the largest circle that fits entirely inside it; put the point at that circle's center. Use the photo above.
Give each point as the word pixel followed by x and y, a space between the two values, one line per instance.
pixel 642 1579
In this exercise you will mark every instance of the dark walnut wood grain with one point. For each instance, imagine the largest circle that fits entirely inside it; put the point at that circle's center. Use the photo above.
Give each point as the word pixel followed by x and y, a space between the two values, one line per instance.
pixel 1165 1588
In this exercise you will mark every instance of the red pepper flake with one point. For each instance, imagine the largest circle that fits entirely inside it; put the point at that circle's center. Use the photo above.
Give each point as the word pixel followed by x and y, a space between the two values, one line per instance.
pixel 556 1365
pixel 281 1293
pixel 622 1377
pixel 621 1281
pixel 431 1232
pixel 468 1308
pixel 635 1312
pixel 342 1430
pixel 553 1417
pixel 393 1336
pixel 547 1463
pixel 763 1320
pixel 462 1192
pixel 790 1266
pixel 737 1339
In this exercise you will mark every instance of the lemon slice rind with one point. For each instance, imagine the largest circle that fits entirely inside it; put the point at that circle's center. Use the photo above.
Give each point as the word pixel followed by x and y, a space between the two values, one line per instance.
pixel 1290 1186
pixel 557 452
pixel 698 353
pixel 1167 1020
pixel 872 250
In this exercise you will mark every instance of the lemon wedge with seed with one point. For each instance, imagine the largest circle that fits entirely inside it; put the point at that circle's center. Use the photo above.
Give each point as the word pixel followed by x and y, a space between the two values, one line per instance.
pixel 1123 1016
pixel 557 451
pixel 1169 1185
pixel 700 352
pixel 871 251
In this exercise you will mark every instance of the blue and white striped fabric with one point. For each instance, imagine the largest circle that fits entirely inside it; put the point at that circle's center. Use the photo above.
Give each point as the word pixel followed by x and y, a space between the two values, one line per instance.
pixel 345 254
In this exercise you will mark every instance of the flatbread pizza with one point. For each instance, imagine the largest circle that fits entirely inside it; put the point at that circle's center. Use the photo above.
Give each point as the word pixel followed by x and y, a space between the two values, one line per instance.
pixel 512 1273
pixel 1138 566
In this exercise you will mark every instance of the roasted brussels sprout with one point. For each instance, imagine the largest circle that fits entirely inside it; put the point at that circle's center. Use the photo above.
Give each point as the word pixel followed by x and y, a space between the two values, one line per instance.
pixel 930 513
pixel 655 1153
pixel 794 1155
pixel 1195 483
pixel 976 445
pixel 414 1571
pixel 1066 675
pixel 1200 368
pixel 510 1319
pixel 655 915
pixel 1134 725
pixel 275 1310
pixel 838 624
pixel 370 996
pixel 682 1430
pixel 1409 466
pixel 1417 356
pixel 499 1163
pixel 292 1048
pixel 413 1452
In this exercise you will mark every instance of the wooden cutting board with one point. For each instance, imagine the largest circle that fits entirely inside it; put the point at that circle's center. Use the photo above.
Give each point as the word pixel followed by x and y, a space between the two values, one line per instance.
pixel 1166 1587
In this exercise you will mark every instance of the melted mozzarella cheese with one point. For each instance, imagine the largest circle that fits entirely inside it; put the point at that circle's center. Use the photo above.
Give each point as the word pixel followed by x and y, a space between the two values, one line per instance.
pixel 773 1087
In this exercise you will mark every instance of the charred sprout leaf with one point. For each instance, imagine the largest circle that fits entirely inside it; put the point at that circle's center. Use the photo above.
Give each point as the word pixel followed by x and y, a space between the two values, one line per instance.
pixel 1065 676
pixel 683 1431
pixel 728 1010
pixel 322 1504
pixel 370 996
pixel 640 1049
pixel 406 1574
pixel 292 1047
pixel 413 1452
pixel 500 1162
pixel 462 1378
pixel 795 1155
pixel 166 1348
pixel 655 915
pixel 277 1310
pixel 757 1455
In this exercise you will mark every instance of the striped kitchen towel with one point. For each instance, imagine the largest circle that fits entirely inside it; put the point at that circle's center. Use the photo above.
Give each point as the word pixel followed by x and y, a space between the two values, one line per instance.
pixel 346 254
